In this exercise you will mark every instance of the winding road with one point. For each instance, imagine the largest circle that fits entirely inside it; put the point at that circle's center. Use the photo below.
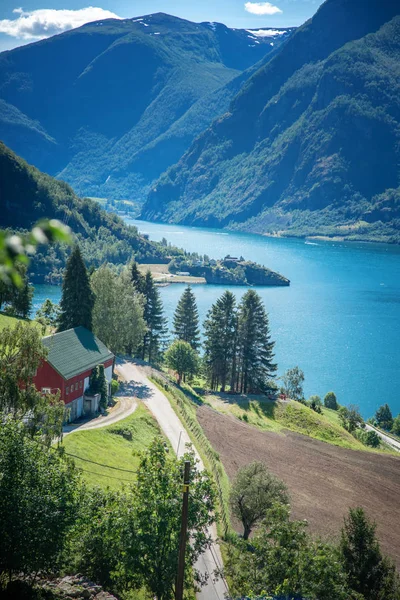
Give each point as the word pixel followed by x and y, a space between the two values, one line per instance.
pixel 386 438
pixel 126 406
pixel 158 404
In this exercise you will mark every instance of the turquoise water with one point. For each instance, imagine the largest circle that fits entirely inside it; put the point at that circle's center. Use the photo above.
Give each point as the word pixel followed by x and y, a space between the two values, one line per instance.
pixel 339 320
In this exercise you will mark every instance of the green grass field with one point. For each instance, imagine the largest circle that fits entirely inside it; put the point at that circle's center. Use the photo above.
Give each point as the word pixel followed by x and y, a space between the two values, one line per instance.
pixel 6 321
pixel 277 416
pixel 117 446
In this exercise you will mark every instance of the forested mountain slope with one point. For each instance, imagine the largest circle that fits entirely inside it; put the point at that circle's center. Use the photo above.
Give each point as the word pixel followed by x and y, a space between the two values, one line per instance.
pixel 311 144
pixel 110 105
pixel 27 195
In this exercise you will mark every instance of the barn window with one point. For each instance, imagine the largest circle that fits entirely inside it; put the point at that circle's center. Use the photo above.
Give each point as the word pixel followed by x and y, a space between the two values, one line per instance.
pixel 46 390
pixel 67 390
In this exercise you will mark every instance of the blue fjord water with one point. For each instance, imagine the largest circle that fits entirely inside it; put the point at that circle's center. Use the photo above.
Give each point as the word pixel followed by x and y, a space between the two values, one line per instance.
pixel 339 320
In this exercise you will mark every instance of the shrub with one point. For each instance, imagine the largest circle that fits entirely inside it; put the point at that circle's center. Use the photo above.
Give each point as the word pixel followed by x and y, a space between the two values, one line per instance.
pixel 314 402
pixel 330 401
pixel 114 387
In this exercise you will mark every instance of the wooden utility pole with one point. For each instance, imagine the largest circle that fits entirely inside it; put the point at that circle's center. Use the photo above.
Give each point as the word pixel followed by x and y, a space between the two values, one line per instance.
pixel 182 539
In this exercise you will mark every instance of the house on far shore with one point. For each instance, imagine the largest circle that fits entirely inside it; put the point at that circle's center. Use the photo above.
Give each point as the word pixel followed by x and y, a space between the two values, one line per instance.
pixel 72 355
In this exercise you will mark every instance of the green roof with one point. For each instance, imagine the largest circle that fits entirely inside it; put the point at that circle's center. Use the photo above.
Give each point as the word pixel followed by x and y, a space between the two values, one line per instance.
pixel 74 351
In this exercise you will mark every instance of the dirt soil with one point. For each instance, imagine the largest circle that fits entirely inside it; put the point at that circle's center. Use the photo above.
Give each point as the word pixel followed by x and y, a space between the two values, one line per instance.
pixel 324 481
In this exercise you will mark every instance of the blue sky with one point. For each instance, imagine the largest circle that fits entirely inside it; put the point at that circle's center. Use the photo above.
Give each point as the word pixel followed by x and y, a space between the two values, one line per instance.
pixel 36 19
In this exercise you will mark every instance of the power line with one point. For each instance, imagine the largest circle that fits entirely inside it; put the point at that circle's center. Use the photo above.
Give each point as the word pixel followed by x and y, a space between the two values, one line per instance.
pixel 108 476
pixel 101 464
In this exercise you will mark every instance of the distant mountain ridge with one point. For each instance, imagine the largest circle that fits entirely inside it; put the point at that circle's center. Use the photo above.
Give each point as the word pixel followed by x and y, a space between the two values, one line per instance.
pixel 27 195
pixel 311 143
pixel 109 106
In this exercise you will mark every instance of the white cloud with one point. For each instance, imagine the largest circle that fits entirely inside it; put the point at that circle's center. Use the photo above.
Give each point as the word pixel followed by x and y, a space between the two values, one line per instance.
pixel 44 22
pixel 266 32
pixel 261 8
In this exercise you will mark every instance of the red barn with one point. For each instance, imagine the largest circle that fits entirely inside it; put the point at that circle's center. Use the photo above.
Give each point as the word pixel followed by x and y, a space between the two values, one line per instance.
pixel 72 355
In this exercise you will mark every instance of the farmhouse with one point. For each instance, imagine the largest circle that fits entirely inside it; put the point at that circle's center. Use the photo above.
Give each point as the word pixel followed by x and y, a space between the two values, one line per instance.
pixel 72 355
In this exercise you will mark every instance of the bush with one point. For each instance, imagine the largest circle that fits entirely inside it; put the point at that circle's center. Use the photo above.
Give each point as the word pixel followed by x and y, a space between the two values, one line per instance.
pixel 114 387
pixel 330 401
pixel 314 402
pixel 368 438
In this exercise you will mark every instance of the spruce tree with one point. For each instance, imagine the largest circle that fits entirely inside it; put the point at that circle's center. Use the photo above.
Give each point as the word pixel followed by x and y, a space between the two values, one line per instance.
pixel 153 315
pixel 186 319
pixel 103 387
pixel 77 298
pixel 220 331
pixel 255 349
pixel 22 296
pixel 137 278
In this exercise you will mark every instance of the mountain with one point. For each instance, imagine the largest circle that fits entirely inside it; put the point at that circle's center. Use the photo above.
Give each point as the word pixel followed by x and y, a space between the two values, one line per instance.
pixel 109 106
pixel 27 195
pixel 311 143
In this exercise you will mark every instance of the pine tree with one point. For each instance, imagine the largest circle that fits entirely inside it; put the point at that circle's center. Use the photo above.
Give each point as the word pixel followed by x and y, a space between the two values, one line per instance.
pixel 22 296
pixel 255 349
pixel 186 319
pixel 220 331
pixel 77 298
pixel 137 278
pixel 154 319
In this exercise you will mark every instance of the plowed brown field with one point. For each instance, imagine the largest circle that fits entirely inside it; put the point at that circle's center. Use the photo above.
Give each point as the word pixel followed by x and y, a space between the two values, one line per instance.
pixel 324 481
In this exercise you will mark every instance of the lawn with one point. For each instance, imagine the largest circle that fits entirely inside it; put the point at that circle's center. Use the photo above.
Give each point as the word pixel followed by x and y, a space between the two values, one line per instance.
pixel 6 321
pixel 277 416
pixel 114 447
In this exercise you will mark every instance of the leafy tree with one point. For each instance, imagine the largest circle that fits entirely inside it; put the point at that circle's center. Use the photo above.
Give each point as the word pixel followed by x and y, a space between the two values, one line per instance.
pixel 384 418
pixel 350 417
pixel 21 354
pixel 368 572
pixel 186 319
pixel 254 491
pixel 330 401
pixel 220 345
pixel 39 492
pixel 154 319
pixel 118 311
pixel 293 380
pixel 396 425
pixel 48 314
pixel 16 249
pixel 130 540
pixel 283 561
pixel 77 298
pixel 104 542
pixel 159 484
pixel 181 357
pixel 255 354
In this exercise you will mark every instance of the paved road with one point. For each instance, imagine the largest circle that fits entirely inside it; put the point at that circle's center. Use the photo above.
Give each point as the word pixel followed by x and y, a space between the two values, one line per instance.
pixel 125 407
pixel 386 438
pixel 172 427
